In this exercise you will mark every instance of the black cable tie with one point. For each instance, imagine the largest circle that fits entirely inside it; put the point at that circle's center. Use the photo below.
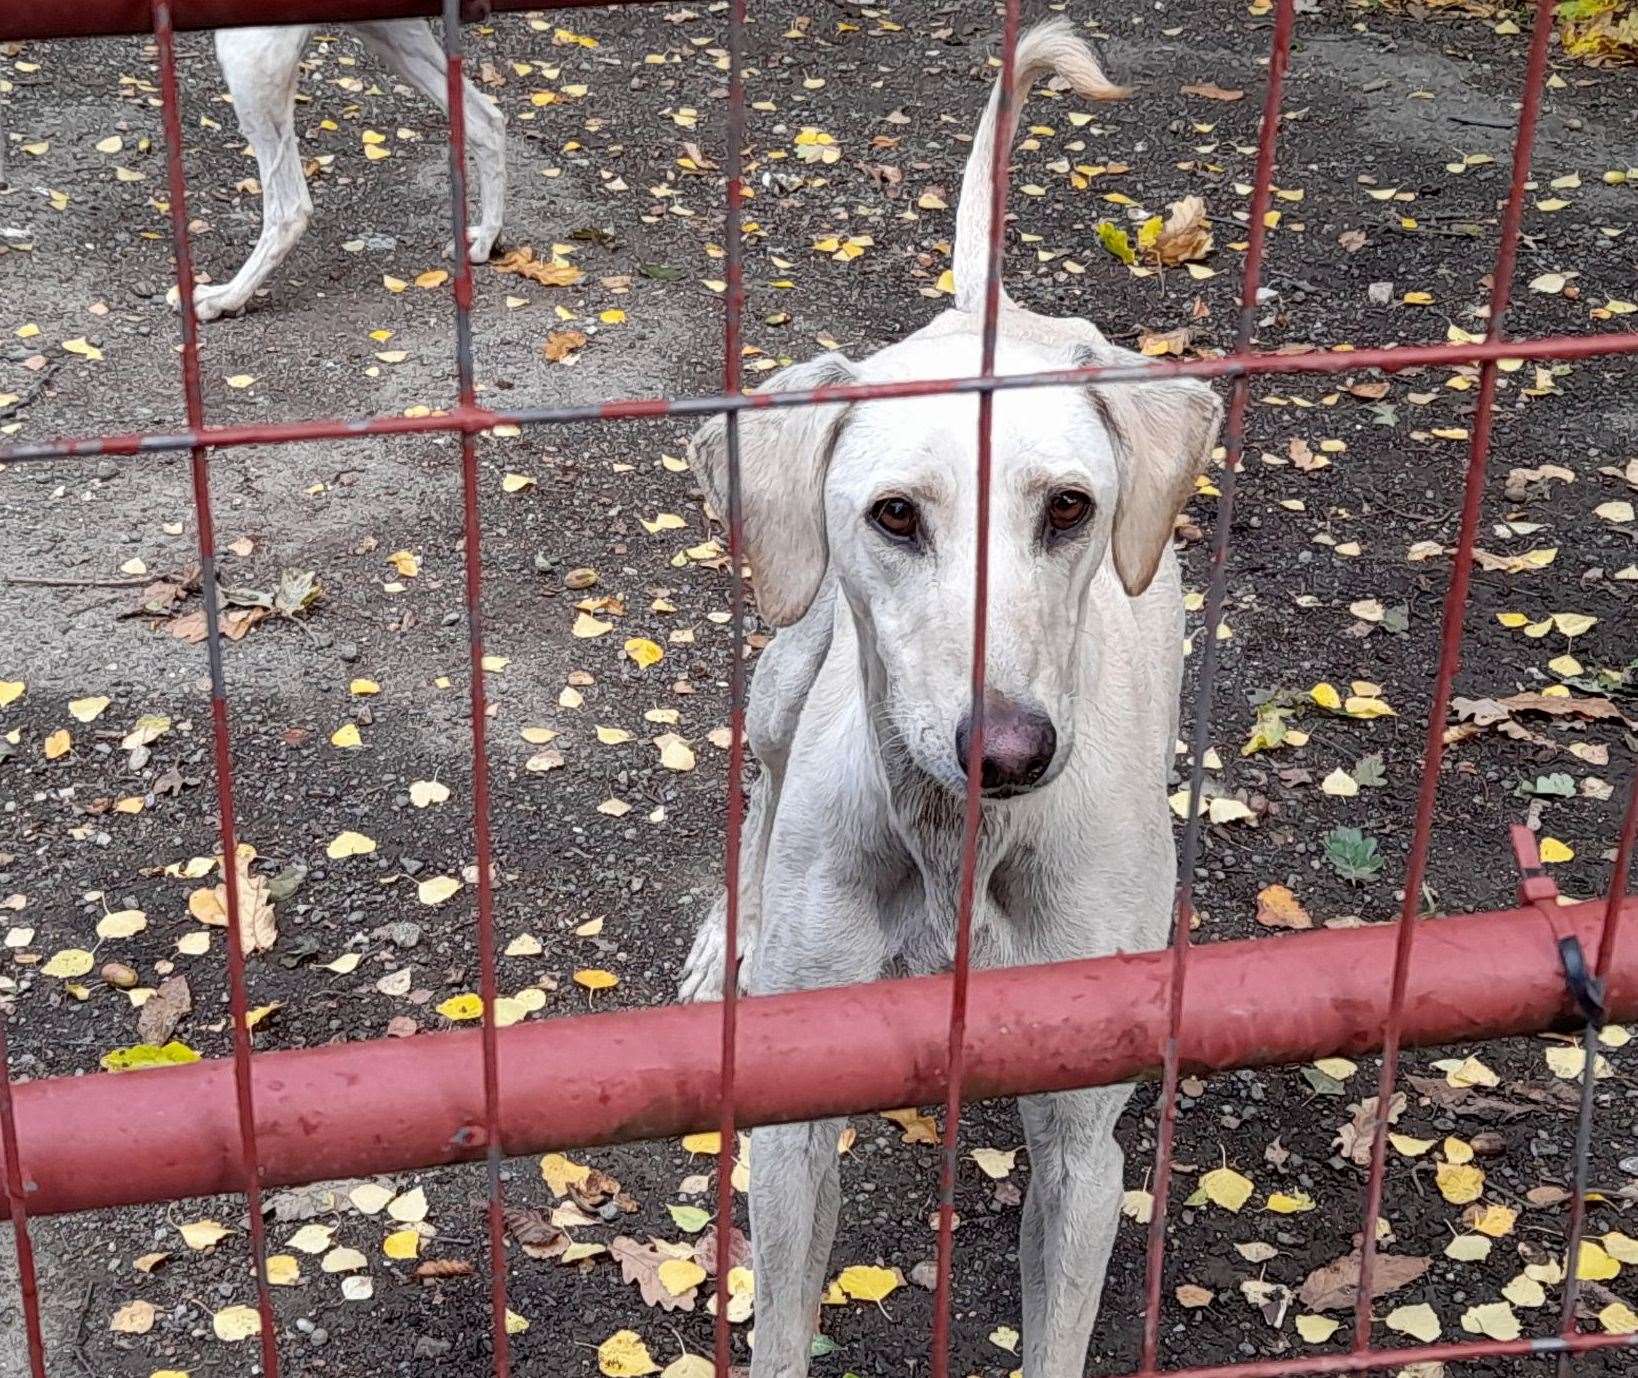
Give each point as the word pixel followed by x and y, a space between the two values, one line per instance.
pixel 1585 989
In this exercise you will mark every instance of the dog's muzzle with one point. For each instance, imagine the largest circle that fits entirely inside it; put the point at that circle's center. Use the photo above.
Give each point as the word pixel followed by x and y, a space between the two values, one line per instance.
pixel 1019 744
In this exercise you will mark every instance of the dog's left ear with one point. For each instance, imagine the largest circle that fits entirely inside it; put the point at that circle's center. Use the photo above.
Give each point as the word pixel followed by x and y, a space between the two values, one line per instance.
pixel 1163 432
pixel 784 453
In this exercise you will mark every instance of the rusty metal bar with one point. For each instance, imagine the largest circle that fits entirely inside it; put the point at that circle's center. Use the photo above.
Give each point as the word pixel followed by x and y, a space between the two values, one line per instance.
pixel 113 18
pixel 955 1057
pixel 488 984
pixel 1452 1351
pixel 1234 440
pixel 23 1242
pixel 248 1157
pixel 478 419
pixel 338 1111
pixel 1450 648
pixel 1620 879
pixel 732 320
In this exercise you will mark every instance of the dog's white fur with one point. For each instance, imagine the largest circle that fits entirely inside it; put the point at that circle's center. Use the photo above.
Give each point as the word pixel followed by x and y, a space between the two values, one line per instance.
pixel 853 840
pixel 262 66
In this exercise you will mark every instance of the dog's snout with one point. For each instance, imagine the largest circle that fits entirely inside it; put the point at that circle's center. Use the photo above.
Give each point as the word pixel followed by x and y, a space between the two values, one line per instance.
pixel 1019 743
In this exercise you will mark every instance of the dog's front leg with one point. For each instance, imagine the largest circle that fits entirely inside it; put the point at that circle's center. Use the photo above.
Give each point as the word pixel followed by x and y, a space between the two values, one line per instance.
pixel 1070 1218
pixel 795 1197
pixel 821 929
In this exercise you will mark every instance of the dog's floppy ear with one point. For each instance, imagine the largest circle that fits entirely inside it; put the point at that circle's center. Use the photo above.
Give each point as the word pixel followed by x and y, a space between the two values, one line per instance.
pixel 783 455
pixel 1163 432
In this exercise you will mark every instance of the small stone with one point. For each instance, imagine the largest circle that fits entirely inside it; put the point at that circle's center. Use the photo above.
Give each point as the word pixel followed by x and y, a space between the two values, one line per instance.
pixel 430 1347
pixel 347 651
pixel 118 975
pixel 404 933
pixel 925 1275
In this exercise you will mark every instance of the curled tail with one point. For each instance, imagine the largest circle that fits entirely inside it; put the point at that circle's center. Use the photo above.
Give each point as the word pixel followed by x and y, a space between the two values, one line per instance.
pixel 1053 47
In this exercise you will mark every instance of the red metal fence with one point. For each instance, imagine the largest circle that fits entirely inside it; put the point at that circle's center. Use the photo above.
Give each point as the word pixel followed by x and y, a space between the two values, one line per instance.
pixel 324 1113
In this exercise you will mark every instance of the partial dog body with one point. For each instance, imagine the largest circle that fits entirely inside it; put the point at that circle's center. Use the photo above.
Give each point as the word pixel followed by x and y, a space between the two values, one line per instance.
pixel 262 66
pixel 858 718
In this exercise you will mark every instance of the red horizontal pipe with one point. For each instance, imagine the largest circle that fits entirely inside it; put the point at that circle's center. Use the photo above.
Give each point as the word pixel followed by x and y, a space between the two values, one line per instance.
pixel 391 1106
pixel 1366 1360
pixel 1390 358
pixel 101 18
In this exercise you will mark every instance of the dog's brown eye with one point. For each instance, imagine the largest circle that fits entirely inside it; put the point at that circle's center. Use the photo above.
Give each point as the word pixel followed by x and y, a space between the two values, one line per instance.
pixel 1068 509
pixel 897 517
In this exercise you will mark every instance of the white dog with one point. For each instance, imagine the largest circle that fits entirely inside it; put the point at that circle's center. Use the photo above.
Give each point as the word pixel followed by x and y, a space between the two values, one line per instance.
pixel 859 525
pixel 262 65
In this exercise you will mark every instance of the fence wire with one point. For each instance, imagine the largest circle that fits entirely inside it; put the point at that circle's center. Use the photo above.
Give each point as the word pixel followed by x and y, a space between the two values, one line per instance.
pixel 468 420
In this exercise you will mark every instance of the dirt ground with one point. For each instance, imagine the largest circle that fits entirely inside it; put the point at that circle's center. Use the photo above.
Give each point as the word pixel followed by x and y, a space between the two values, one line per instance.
pixel 1393 161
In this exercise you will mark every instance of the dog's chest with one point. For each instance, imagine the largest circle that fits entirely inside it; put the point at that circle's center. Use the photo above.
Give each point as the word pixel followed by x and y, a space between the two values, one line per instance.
pixel 924 913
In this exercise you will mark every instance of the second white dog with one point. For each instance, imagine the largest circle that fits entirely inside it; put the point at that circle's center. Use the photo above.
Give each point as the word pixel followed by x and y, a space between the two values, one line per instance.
pixel 262 66
pixel 860 531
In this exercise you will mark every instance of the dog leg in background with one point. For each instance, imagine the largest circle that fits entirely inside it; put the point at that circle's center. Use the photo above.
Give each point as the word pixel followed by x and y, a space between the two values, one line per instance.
pixel 261 67
pixel 1070 1219
pixel 408 47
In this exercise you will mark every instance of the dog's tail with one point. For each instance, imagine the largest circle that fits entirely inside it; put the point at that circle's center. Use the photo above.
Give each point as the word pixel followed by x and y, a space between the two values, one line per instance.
pixel 1052 47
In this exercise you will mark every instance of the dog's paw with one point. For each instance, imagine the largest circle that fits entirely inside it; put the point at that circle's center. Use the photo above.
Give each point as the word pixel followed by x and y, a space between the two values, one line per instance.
pixel 480 243
pixel 209 303
pixel 702 973
pixel 702 977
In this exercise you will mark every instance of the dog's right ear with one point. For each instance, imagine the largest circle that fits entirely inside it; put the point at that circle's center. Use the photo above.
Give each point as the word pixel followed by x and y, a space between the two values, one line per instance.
pixel 783 455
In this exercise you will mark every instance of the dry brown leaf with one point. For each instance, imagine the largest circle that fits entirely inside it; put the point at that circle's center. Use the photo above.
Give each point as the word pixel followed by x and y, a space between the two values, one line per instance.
pixel 443 1268
pixel 535 1234
pixel 739 1250
pixel 640 1263
pixel 1156 343
pixel 1353 1140
pixel 161 1011
pixel 1186 235
pixel 524 263
pixel 1333 1287
pixel 562 343
pixel 1210 90
pixel 1277 907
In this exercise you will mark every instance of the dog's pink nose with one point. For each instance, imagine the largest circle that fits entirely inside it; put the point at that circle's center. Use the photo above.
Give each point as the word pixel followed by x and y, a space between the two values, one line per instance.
pixel 1019 743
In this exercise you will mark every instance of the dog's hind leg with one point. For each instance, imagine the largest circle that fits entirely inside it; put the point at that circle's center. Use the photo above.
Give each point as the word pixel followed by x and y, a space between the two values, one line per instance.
pixel 261 67
pixel 408 47
pixel 1070 1218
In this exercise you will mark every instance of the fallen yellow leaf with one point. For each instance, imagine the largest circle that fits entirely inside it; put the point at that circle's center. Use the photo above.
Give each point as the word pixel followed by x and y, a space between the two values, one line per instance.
pixel 1227 1188
pixel 863 1282
pixel 624 1355
pixel 348 843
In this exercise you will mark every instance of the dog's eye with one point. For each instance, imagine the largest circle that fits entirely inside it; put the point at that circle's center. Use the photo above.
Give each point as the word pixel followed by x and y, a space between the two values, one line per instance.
pixel 1068 509
pixel 897 517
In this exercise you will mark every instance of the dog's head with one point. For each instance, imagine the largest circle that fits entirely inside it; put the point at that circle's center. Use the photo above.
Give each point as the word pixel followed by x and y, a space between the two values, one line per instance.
pixel 884 494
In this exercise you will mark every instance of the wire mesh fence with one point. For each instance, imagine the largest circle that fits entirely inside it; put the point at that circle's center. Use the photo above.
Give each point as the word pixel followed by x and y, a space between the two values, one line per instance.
pixel 1581 989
